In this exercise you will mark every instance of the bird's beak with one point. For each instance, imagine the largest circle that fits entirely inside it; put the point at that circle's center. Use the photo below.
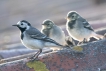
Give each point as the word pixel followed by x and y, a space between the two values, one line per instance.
pixel 15 25
pixel 68 19
pixel 43 24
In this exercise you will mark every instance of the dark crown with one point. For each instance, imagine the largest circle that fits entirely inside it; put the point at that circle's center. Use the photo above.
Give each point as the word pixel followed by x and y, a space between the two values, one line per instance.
pixel 26 22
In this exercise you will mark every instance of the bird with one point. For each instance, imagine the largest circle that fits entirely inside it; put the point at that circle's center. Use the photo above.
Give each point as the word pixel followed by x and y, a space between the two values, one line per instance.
pixel 55 32
pixel 32 38
pixel 79 29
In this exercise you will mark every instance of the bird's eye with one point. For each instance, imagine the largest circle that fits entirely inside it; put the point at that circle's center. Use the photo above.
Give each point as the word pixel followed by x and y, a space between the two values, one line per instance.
pixel 21 23
pixel 72 16
pixel 47 24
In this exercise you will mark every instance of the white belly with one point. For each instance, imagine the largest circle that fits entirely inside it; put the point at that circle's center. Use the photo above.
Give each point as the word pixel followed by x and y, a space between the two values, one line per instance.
pixel 79 34
pixel 32 43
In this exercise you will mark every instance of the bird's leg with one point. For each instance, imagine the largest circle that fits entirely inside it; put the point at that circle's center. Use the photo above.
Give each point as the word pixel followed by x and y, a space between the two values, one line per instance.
pixel 69 43
pixel 79 43
pixel 84 40
pixel 35 56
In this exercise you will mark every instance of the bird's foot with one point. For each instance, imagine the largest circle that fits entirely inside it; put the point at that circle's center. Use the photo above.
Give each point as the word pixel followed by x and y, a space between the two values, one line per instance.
pixel 79 43
pixel 35 57
pixel 32 59
pixel 84 41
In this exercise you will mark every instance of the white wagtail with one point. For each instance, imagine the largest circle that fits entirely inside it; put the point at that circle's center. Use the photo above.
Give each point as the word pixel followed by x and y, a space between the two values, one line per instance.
pixel 55 32
pixel 34 39
pixel 79 29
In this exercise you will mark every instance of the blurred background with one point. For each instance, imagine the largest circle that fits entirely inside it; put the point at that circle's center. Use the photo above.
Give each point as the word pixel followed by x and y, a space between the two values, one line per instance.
pixel 35 11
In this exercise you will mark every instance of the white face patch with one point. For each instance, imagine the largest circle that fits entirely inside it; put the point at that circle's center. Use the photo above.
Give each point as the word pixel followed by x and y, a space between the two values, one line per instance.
pixel 18 23
pixel 23 25
pixel 43 26
pixel 68 19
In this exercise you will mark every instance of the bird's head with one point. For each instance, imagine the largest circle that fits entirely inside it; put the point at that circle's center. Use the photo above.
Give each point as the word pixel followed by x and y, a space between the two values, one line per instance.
pixel 72 16
pixel 47 24
pixel 23 25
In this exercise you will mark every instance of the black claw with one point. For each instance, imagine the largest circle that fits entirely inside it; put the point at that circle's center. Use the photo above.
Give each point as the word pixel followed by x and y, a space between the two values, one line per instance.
pixel 33 59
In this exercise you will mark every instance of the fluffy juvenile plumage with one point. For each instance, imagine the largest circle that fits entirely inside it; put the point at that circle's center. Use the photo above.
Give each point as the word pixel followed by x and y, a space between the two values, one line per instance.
pixel 78 28
pixel 53 31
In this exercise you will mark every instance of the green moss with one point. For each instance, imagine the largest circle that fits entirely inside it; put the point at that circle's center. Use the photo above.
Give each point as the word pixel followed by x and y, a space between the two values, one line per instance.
pixel 78 48
pixel 37 66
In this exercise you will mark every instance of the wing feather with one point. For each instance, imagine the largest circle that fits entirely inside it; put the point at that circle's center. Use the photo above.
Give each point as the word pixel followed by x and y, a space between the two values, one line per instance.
pixel 86 24
pixel 36 34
